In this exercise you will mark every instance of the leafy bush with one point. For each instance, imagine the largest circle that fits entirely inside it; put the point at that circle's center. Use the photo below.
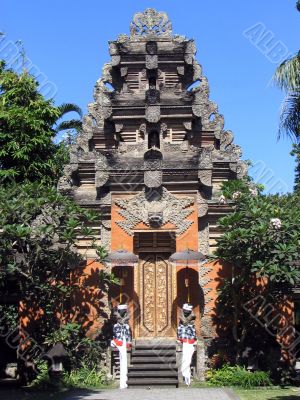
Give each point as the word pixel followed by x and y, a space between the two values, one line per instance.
pixel 237 376
pixel 85 377
pixel 42 380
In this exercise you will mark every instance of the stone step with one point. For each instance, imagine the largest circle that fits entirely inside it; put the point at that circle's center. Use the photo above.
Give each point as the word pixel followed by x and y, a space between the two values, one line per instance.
pixel 153 353
pixel 153 360
pixel 153 374
pixel 155 382
pixel 152 367
pixel 155 346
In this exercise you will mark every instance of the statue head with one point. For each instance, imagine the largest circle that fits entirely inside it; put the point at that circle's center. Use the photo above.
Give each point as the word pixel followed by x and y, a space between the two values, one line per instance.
pixel 122 309
pixel 187 309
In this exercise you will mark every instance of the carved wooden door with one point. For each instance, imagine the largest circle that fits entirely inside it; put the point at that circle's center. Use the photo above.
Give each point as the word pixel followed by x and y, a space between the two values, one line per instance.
pixel 156 296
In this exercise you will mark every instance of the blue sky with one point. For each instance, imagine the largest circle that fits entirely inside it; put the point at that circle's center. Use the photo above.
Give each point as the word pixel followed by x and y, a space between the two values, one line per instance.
pixel 239 45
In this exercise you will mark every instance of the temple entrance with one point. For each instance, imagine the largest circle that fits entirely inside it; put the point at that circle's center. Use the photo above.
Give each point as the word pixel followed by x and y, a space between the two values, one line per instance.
pixel 156 285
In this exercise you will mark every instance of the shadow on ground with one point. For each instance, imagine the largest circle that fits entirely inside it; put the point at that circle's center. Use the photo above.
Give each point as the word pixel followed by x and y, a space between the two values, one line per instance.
pixel 30 394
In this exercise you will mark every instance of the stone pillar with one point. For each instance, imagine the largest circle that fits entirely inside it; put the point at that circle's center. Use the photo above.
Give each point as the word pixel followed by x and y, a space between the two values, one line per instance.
pixel 200 360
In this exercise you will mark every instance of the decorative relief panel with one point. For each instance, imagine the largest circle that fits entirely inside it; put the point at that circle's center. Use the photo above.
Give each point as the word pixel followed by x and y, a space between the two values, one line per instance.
pixel 153 179
pixel 148 282
pixel 151 61
pixel 162 291
pixel 172 209
pixel 155 281
pixel 152 113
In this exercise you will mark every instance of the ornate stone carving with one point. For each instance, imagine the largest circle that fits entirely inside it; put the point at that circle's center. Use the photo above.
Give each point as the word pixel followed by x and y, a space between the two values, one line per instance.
pixel 143 128
pixel 152 113
pixel 205 159
pixel 205 176
pixel 240 168
pixel 201 101
pixel 203 236
pixel 197 71
pixel 113 48
pixel 105 235
pixel 163 128
pixel 151 61
pixel 188 125
pixel 226 139
pixel 180 71
pixel 123 71
pixel 65 183
pixel 115 60
pixel 152 96
pixel 150 23
pixel 101 171
pixel 202 206
pixel 106 72
pixel 87 133
pixel 153 179
pixel 102 98
pixel 119 128
pixel 174 210
pixel 190 51
pixel 204 280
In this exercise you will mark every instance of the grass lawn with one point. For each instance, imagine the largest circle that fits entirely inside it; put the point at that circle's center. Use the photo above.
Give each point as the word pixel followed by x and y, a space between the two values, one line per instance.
pixel 269 394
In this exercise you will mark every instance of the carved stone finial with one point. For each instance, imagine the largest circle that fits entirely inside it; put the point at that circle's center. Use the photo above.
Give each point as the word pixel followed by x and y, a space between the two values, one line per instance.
pixel 150 22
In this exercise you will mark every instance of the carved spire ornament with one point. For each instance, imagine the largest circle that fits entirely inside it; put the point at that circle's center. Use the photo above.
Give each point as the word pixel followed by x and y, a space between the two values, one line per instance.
pixel 150 22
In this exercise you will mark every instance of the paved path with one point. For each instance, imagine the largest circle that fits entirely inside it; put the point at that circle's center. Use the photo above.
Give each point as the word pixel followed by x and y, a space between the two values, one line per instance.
pixel 156 394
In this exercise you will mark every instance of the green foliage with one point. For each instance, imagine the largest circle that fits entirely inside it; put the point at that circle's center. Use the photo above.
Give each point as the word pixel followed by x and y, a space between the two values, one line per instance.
pixel 254 245
pixel 237 376
pixel 39 229
pixel 261 240
pixel 296 153
pixel 9 316
pixel 28 127
pixel 65 334
pixel 82 350
pixel 85 377
pixel 26 131
pixel 42 380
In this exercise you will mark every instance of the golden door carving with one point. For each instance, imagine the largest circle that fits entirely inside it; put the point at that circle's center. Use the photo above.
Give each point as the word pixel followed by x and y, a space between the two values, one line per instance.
pixel 156 296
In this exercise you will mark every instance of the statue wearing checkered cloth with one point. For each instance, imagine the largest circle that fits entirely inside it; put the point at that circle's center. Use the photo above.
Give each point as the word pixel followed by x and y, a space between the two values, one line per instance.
pixel 186 328
pixel 122 340
pixel 187 336
pixel 121 328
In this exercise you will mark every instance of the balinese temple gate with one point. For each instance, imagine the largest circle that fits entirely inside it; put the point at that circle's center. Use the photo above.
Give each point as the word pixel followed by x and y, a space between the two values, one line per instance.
pixel 150 160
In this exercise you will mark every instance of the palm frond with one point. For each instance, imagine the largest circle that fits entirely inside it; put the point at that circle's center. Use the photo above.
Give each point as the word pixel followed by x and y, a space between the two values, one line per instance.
pixel 290 116
pixel 69 107
pixel 287 74
pixel 70 124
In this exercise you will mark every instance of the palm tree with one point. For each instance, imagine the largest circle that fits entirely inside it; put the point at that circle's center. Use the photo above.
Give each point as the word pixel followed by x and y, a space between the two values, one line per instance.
pixel 287 77
pixel 71 124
